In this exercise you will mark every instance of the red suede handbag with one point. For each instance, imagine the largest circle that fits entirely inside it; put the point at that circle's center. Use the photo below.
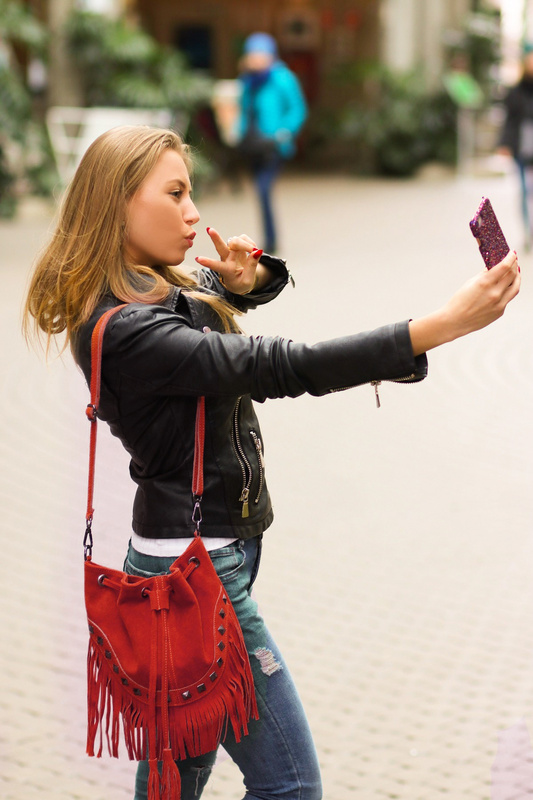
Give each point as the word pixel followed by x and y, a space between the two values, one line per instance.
pixel 166 654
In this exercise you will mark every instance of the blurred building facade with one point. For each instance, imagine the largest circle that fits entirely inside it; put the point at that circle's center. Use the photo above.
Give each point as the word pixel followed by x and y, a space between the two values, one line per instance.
pixel 320 39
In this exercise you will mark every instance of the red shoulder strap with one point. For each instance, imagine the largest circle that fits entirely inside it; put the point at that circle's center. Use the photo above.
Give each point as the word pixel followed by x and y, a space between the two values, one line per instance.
pixel 91 411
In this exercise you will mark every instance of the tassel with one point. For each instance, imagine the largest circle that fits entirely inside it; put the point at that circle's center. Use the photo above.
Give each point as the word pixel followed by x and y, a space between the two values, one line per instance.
pixel 170 779
pixel 193 731
pixel 148 722
pixel 154 781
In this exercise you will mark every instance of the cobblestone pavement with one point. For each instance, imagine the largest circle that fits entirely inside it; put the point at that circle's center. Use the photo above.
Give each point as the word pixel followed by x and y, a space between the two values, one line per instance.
pixel 398 575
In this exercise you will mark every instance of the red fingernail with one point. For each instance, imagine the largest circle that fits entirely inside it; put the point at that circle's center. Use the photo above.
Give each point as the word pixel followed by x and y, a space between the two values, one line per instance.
pixel 197 259
pixel 208 229
pixel 257 253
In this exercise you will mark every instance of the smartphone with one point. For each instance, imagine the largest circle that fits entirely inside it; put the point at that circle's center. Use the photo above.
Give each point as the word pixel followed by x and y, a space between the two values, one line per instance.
pixel 489 236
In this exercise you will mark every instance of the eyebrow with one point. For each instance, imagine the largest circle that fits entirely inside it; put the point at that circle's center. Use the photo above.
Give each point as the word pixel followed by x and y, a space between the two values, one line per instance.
pixel 179 182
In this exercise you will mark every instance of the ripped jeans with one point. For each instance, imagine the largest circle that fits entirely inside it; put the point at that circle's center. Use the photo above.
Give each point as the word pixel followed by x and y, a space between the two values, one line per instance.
pixel 277 759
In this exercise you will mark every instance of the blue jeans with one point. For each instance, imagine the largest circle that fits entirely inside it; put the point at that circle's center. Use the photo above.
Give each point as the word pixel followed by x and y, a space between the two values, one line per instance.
pixel 278 758
pixel 264 178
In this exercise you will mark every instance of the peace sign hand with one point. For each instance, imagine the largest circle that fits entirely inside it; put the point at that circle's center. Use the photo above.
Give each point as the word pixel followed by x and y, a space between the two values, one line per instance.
pixel 237 265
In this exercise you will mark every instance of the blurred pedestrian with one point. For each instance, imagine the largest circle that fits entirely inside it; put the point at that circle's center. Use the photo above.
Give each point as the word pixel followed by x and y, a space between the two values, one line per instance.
pixel 126 227
pixel 273 110
pixel 517 136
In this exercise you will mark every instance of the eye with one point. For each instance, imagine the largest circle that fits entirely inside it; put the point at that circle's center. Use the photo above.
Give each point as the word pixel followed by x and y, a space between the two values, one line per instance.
pixel 177 193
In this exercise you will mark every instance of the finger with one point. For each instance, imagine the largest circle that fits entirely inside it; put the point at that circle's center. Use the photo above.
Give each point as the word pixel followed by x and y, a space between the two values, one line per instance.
pixel 512 290
pixel 511 259
pixel 512 271
pixel 220 245
pixel 505 270
pixel 508 262
pixel 210 263
pixel 248 239
pixel 243 243
pixel 505 291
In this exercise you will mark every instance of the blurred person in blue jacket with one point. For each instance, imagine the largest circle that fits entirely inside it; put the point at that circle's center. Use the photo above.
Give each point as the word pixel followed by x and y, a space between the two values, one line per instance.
pixel 273 110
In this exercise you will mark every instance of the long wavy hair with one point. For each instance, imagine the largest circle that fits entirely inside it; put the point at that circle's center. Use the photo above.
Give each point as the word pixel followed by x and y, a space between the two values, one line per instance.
pixel 85 259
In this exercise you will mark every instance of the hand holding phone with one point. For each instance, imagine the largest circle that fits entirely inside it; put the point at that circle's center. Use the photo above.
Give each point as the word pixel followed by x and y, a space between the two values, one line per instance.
pixel 489 235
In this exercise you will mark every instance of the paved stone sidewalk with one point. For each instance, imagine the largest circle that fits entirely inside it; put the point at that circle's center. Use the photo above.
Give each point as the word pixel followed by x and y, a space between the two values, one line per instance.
pixel 398 576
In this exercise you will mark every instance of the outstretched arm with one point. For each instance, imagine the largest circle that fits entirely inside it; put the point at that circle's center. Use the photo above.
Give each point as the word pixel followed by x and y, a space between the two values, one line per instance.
pixel 478 303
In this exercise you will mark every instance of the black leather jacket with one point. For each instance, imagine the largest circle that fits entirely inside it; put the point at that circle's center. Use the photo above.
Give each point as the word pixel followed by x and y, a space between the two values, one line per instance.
pixel 157 359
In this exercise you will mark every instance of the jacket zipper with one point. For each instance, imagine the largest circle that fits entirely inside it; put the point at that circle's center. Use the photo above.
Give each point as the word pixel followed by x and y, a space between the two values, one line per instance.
pixel 243 461
pixel 377 384
pixel 261 464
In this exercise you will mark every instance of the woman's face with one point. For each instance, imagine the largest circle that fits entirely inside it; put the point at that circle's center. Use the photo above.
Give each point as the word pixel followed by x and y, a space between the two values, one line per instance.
pixel 161 214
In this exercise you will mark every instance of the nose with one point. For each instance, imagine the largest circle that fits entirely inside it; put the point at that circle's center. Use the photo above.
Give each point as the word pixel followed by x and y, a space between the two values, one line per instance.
pixel 191 213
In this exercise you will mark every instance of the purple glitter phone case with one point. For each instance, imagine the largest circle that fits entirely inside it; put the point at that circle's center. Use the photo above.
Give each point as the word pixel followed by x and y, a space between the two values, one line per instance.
pixel 489 235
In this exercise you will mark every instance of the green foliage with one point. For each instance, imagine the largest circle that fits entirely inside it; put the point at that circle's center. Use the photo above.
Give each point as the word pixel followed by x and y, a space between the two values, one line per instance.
pixel 40 169
pixel 18 25
pixel 8 201
pixel 15 104
pixel 25 156
pixel 482 45
pixel 478 43
pixel 124 66
pixel 405 126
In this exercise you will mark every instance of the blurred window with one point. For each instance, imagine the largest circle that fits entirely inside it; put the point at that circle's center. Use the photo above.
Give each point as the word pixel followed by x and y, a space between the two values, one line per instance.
pixel 195 43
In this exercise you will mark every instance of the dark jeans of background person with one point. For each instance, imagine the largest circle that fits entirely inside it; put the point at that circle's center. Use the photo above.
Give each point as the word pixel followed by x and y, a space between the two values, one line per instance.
pixel 264 176
pixel 278 757
pixel 525 171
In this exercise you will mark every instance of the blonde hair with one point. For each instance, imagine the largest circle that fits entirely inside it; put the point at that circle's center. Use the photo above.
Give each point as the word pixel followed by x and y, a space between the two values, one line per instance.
pixel 84 259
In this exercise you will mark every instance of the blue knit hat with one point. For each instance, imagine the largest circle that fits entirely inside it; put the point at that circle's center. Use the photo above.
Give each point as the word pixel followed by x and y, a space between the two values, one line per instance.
pixel 260 43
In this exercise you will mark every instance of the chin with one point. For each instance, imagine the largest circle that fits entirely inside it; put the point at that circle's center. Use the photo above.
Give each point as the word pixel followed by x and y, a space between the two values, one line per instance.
pixel 174 260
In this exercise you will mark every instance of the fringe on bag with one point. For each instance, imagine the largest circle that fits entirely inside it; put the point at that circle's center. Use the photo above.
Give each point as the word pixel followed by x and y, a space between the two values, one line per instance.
pixel 180 729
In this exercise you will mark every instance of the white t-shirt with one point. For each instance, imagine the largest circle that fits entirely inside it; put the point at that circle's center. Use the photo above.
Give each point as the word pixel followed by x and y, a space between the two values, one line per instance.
pixel 173 547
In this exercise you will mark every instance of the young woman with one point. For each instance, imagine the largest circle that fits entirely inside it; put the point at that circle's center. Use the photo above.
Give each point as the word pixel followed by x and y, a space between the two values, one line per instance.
pixel 127 220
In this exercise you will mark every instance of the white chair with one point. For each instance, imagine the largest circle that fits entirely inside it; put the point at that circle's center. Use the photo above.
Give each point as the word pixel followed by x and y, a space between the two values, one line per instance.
pixel 73 129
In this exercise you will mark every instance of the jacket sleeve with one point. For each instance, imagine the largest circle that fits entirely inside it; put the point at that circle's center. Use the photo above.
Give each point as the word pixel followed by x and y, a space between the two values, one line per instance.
pixel 244 302
pixel 294 107
pixel 156 352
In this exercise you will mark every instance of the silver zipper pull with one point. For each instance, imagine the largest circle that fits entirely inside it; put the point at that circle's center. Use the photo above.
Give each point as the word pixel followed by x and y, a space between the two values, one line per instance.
pixel 258 447
pixel 376 384
pixel 244 500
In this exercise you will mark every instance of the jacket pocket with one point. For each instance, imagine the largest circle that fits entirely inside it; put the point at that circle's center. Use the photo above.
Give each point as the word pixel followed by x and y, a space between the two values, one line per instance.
pixel 244 463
